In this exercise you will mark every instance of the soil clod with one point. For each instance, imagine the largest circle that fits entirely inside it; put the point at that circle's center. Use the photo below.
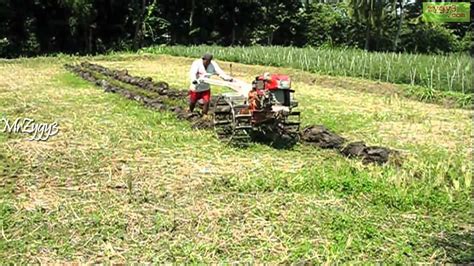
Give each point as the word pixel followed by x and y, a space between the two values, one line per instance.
pixel 368 154
pixel 320 136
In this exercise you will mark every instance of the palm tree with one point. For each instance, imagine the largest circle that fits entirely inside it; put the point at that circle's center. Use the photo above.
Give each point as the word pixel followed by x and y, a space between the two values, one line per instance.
pixel 370 13
pixel 399 26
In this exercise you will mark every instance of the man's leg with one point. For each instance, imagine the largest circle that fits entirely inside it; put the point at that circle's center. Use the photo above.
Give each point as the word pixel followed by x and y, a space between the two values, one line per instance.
pixel 193 97
pixel 206 97
pixel 205 108
pixel 192 105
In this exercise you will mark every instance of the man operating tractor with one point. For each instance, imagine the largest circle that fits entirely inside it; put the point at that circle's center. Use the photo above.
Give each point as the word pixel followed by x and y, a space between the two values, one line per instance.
pixel 199 90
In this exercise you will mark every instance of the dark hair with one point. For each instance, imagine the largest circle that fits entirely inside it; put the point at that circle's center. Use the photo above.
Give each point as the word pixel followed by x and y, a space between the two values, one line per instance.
pixel 207 56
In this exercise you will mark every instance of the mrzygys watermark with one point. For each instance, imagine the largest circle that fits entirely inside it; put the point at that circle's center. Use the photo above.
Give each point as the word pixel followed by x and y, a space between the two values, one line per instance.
pixel 440 12
pixel 38 131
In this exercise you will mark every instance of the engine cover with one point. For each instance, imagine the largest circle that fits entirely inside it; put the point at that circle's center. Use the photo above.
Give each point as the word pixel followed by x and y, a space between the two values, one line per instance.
pixel 269 81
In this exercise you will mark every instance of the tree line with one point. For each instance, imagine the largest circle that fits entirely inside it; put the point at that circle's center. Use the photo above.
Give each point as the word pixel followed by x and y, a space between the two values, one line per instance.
pixel 35 27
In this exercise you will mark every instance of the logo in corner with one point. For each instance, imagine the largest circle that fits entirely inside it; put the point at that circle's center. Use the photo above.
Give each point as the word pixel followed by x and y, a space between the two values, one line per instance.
pixel 439 12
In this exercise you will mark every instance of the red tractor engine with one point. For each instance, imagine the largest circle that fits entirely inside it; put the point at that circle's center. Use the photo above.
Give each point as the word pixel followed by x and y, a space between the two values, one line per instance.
pixel 271 93
pixel 266 114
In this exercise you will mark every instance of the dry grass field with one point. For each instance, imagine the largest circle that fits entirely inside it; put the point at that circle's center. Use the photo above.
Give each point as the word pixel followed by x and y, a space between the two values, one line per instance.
pixel 121 182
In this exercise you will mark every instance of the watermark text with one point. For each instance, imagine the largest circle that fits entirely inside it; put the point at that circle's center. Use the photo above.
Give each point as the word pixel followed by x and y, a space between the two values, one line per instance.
pixel 38 131
pixel 446 11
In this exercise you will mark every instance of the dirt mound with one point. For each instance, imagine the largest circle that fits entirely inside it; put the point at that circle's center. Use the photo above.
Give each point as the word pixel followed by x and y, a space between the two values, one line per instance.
pixel 197 121
pixel 368 154
pixel 320 136
pixel 202 124
pixel 185 115
pixel 146 83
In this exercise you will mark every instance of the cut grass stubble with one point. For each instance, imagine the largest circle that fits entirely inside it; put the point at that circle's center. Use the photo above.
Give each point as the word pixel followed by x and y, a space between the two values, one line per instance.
pixel 122 182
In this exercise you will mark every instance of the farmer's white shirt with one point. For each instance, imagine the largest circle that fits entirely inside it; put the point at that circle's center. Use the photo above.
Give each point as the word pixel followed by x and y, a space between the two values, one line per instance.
pixel 199 71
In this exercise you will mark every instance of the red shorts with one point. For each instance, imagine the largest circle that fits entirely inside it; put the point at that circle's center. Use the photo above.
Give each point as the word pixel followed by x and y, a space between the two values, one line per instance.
pixel 194 96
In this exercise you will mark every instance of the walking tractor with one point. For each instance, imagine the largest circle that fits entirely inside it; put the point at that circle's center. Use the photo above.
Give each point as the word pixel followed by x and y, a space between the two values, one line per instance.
pixel 262 110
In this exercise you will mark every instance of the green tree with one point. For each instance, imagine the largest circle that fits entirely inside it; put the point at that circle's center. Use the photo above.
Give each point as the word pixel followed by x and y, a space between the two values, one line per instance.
pixel 400 14
pixel 279 22
pixel 327 23
pixel 81 20
pixel 429 38
pixel 371 14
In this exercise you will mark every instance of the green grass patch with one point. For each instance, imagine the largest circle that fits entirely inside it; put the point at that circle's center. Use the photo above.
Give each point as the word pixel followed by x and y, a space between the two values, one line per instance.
pixel 69 79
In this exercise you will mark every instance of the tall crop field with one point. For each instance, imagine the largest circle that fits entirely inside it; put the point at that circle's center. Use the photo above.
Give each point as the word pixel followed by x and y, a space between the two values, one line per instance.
pixel 445 73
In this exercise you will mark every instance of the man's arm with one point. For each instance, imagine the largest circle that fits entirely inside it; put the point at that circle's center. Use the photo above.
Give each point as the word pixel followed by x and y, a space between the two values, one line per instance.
pixel 220 72
pixel 193 71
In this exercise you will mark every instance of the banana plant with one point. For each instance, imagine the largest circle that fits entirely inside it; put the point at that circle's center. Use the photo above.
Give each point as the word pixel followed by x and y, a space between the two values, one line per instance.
pixel 370 13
